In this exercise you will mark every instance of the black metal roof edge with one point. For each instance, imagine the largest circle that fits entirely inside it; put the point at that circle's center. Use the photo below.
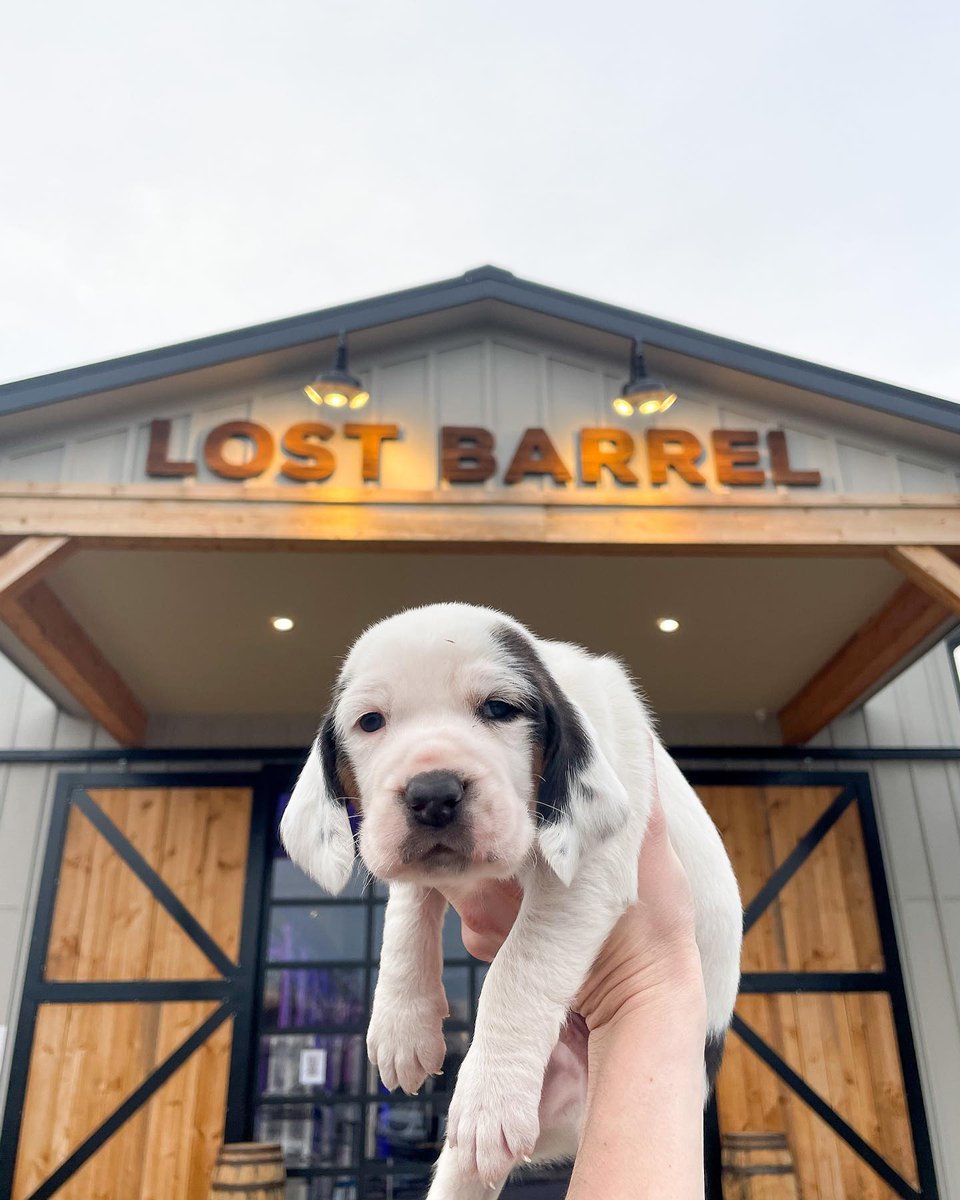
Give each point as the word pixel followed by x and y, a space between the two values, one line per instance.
pixel 484 283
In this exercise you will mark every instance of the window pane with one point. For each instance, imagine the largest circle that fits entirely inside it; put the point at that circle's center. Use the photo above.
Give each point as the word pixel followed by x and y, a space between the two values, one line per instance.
pixel 406 1131
pixel 345 1069
pixel 311 1135
pixel 458 1043
pixel 314 996
pixel 456 983
pixel 411 1129
pixel 335 1187
pixel 290 883
pixel 481 974
pixel 402 1185
pixel 452 941
pixel 330 931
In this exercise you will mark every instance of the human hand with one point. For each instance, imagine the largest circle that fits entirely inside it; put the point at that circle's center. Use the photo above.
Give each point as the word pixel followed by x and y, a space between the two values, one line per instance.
pixel 651 956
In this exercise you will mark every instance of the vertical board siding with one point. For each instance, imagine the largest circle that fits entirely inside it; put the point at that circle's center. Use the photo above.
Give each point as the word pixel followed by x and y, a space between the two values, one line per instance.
pixel 915 477
pixel 814 452
pixel 505 382
pixel 92 456
pixel 863 470
pixel 30 465
pixel 403 390
pixel 518 403
pixel 459 376
pixel 918 807
pixel 574 398
pixel 28 720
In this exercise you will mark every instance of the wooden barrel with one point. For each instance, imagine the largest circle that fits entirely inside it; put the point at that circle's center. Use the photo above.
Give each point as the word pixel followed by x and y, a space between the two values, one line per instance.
pixel 758 1166
pixel 250 1169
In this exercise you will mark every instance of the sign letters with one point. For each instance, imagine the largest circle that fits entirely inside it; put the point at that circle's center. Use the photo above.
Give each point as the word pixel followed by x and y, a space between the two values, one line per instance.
pixel 306 453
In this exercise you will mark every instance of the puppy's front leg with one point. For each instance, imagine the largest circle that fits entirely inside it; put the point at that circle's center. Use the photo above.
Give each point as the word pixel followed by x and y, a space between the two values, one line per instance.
pixel 405 1036
pixel 449 1182
pixel 493 1120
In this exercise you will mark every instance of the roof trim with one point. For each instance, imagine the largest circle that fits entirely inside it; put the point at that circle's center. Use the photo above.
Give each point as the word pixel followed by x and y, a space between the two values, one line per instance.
pixel 484 283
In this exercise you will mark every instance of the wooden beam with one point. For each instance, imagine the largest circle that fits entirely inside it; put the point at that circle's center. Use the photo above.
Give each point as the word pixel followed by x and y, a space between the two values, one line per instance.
pixel 909 618
pixel 27 560
pixel 569 497
pixel 45 627
pixel 243 517
pixel 932 570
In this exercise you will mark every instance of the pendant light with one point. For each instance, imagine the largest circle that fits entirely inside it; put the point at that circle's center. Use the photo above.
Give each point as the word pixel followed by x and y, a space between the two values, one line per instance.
pixel 336 387
pixel 640 393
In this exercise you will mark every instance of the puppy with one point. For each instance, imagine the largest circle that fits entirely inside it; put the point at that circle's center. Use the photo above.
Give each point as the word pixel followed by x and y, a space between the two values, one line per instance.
pixel 473 751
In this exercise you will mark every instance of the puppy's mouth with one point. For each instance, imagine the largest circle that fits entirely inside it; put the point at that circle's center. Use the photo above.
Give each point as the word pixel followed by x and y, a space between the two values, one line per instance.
pixel 429 852
pixel 441 855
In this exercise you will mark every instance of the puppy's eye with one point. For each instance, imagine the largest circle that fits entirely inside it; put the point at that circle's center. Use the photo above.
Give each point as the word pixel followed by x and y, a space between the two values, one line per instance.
pixel 372 721
pixel 498 710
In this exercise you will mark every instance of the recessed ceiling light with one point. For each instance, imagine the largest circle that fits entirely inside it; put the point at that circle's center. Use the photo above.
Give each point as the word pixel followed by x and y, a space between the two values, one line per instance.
pixel 667 624
pixel 282 624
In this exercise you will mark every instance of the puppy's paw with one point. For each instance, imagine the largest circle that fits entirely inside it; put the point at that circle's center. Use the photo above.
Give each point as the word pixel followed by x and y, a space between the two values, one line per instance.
pixel 493 1121
pixel 405 1041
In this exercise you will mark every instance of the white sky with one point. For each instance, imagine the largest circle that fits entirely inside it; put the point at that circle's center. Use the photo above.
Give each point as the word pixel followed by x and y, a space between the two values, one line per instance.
pixel 781 171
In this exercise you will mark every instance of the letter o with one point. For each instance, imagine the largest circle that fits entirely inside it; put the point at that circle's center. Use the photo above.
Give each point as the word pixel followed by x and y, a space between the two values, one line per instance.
pixel 217 438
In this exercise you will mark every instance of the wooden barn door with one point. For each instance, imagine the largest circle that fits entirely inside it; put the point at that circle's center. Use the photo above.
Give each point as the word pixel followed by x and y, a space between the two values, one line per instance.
pixel 821 1047
pixel 138 995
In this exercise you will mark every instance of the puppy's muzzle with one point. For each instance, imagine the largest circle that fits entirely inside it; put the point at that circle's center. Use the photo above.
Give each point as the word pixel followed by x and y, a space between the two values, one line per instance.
pixel 433 798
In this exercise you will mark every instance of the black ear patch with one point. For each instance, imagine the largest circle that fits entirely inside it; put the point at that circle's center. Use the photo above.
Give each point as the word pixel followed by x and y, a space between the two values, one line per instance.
pixel 335 765
pixel 564 743
pixel 327 749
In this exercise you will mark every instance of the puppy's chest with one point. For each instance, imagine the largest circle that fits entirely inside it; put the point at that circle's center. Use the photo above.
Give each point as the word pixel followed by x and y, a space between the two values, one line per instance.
pixel 486 909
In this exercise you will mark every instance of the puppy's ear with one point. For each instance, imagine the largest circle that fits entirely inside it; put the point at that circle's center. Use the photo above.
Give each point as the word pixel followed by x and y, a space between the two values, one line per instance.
pixel 580 800
pixel 315 828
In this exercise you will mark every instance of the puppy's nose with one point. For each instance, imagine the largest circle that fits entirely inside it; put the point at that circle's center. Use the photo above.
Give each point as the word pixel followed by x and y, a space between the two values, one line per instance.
pixel 433 798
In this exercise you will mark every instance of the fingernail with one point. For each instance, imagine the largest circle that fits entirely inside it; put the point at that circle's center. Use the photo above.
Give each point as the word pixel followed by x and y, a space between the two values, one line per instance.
pixel 527 1158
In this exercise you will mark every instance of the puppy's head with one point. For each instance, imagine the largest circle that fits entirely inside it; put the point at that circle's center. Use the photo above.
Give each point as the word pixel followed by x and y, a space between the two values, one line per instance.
pixel 459 751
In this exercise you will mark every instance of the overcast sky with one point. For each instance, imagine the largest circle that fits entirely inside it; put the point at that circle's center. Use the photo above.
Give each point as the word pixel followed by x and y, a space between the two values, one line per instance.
pixel 781 171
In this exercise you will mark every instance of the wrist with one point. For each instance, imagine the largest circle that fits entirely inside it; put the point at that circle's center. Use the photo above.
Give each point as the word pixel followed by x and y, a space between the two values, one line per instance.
pixel 651 991
pixel 674 1018
pixel 663 1040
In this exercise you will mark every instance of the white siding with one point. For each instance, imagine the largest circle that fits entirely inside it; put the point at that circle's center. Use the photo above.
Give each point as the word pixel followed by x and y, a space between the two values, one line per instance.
pixel 28 721
pixel 919 815
pixel 503 382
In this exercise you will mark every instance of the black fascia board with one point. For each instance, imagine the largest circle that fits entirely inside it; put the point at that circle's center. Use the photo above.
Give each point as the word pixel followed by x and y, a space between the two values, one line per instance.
pixel 486 283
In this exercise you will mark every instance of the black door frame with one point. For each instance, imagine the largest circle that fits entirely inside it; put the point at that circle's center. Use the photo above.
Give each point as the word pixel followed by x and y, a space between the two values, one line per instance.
pixel 236 990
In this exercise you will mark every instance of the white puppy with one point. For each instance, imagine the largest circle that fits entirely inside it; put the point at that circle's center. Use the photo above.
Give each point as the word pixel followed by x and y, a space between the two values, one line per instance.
pixel 473 750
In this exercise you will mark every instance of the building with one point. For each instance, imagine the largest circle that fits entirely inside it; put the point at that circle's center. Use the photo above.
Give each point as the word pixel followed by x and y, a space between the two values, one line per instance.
pixel 167 977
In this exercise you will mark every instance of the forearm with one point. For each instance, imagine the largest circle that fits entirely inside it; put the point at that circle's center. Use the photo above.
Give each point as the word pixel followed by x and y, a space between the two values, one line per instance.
pixel 411 958
pixel 643 1134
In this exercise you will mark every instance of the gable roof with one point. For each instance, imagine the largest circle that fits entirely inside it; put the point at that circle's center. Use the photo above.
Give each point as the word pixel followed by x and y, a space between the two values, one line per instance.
pixel 483 284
